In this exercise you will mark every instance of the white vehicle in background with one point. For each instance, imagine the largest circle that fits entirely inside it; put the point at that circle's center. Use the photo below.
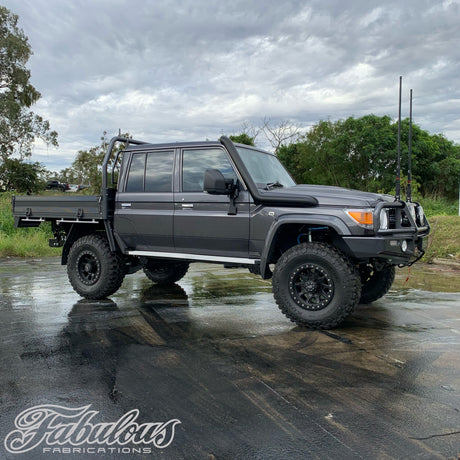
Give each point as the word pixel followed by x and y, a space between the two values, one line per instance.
pixel 76 188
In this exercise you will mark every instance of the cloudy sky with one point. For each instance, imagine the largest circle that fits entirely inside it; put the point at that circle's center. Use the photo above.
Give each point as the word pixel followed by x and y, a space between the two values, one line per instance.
pixel 190 70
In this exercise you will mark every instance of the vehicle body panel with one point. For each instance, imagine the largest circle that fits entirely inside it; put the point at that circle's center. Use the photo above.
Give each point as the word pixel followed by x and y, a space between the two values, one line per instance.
pixel 144 221
pixel 202 224
pixel 58 207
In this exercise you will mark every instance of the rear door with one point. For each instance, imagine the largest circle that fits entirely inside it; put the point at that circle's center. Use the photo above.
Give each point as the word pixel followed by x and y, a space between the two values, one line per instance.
pixel 202 224
pixel 144 206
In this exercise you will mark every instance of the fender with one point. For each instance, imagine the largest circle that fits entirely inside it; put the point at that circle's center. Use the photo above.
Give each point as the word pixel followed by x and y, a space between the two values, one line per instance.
pixel 332 222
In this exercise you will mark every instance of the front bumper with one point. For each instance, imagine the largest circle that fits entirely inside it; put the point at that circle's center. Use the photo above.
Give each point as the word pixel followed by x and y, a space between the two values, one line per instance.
pixel 402 240
pixel 395 249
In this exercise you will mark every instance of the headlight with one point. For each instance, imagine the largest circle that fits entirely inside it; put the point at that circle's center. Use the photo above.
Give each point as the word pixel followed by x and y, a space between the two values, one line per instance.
pixel 421 215
pixel 383 219
pixel 411 207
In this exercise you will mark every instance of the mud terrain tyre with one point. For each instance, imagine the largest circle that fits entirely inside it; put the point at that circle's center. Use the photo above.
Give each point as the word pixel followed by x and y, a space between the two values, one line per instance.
pixel 93 270
pixel 315 285
pixel 165 272
pixel 375 284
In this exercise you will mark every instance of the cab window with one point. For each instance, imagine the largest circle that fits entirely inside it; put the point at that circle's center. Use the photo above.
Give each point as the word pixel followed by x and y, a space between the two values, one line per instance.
pixel 136 173
pixel 151 172
pixel 196 161
pixel 159 171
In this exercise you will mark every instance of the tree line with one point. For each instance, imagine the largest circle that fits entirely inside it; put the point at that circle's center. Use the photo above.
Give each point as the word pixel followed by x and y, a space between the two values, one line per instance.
pixel 361 153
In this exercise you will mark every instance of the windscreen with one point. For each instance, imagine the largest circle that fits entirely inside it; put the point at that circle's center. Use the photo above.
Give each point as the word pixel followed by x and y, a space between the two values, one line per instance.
pixel 265 169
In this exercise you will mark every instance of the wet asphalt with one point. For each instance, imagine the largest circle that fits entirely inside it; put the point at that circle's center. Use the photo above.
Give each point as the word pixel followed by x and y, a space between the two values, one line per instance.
pixel 214 352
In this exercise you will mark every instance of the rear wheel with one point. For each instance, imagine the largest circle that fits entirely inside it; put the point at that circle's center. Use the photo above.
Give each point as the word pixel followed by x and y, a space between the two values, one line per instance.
pixel 375 284
pixel 315 285
pixel 93 270
pixel 165 272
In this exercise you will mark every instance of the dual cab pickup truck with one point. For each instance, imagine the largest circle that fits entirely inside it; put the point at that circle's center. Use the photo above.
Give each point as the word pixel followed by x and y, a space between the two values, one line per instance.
pixel 326 248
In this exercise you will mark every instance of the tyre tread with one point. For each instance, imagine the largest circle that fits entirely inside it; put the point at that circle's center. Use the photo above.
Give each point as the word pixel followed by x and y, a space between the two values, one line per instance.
pixel 113 273
pixel 351 280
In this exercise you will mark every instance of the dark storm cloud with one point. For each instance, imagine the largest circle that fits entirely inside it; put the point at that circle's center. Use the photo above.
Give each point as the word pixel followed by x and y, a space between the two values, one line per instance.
pixel 194 69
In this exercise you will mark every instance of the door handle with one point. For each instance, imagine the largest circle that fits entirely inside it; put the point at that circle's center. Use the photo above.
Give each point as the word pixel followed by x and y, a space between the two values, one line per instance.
pixel 187 205
pixel 125 205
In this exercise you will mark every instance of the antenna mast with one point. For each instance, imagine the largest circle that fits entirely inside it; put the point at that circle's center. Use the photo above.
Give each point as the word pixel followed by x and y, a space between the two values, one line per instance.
pixel 398 167
pixel 409 173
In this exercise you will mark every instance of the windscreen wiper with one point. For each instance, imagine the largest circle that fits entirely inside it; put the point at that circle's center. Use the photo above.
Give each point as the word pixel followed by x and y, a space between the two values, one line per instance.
pixel 272 185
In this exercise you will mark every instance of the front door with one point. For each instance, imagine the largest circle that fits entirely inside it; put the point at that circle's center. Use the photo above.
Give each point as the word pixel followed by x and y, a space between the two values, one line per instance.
pixel 202 224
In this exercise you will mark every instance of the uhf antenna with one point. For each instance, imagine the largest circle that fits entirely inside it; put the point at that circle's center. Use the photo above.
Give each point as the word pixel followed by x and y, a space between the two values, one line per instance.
pixel 409 173
pixel 398 167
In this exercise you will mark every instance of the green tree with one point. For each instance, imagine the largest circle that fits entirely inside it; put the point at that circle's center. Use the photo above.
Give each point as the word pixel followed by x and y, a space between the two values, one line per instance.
pixel 437 164
pixel 68 176
pixel 22 177
pixel 362 153
pixel 19 127
pixel 243 138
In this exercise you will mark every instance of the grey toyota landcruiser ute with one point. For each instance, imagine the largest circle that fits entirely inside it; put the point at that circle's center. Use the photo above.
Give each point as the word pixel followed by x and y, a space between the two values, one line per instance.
pixel 165 206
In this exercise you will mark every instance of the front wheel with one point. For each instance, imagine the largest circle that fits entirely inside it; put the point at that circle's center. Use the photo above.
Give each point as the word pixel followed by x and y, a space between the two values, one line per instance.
pixel 315 285
pixel 93 270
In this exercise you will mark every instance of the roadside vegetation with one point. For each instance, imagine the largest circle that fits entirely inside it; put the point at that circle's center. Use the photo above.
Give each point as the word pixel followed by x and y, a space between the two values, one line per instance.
pixel 22 242
pixel 444 241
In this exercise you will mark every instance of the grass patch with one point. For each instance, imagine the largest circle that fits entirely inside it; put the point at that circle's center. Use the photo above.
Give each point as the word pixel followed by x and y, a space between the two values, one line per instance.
pixel 22 242
pixel 439 207
pixel 444 239
pixel 33 244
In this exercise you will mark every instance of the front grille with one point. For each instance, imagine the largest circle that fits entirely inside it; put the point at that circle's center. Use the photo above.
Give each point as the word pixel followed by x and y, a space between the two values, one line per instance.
pixel 403 216
pixel 405 221
pixel 392 218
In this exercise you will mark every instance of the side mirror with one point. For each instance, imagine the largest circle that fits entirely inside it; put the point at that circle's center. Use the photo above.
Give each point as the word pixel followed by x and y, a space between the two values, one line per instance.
pixel 216 184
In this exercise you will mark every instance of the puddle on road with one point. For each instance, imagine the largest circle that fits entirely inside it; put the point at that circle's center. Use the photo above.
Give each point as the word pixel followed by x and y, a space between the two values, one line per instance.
pixel 425 277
